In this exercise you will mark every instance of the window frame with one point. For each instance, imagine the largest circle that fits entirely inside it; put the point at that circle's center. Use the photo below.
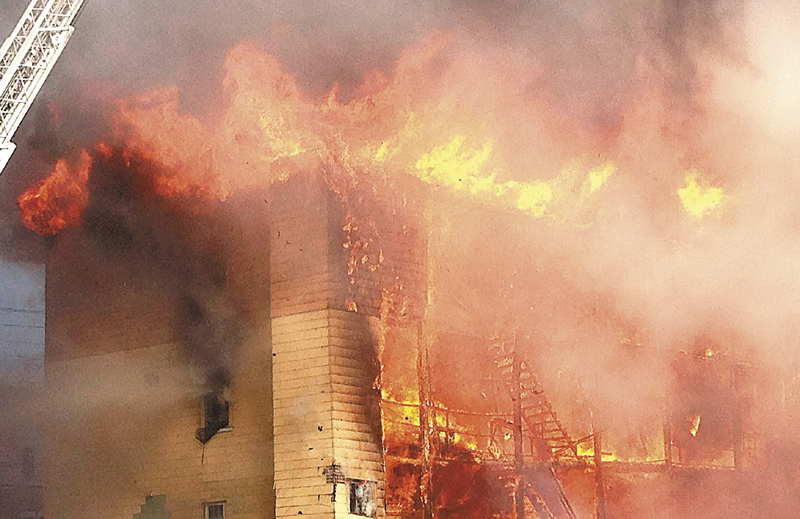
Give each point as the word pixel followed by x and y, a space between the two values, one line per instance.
pixel 222 398
pixel 372 486
pixel 211 398
pixel 208 505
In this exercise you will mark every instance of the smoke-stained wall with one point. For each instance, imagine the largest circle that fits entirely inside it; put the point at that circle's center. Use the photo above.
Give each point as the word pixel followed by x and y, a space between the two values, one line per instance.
pixel 128 367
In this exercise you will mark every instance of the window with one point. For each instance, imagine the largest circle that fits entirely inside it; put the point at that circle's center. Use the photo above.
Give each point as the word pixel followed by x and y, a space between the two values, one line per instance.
pixel 215 510
pixel 362 497
pixel 216 411
pixel 216 416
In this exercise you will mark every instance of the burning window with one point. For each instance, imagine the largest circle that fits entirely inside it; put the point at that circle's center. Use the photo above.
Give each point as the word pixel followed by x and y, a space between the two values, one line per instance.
pixel 362 497
pixel 215 510
pixel 216 415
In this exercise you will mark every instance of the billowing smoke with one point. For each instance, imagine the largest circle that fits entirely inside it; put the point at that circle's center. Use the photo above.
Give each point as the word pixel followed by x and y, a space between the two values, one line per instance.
pixel 180 244
pixel 609 276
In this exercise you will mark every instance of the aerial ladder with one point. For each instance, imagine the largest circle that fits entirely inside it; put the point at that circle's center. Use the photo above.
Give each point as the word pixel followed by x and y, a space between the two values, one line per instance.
pixel 26 59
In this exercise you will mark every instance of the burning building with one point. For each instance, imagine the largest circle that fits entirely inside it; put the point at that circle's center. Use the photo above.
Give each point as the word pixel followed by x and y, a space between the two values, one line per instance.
pixel 283 353
pixel 283 412
pixel 439 298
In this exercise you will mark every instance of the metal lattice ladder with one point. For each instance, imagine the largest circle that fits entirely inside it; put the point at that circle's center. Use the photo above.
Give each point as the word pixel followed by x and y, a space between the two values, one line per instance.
pixel 26 59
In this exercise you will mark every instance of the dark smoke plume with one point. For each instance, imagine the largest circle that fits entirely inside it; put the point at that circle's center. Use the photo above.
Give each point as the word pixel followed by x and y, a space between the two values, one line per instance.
pixel 180 243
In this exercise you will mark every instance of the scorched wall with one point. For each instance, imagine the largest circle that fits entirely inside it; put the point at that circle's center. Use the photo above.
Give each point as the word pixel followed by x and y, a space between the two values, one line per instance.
pixel 126 396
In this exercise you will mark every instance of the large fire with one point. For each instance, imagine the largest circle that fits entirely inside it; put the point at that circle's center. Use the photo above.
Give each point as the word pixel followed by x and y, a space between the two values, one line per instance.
pixel 449 118
pixel 450 129
pixel 58 201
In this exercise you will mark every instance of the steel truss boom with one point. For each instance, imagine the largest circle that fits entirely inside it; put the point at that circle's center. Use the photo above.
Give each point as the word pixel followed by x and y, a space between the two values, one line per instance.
pixel 26 59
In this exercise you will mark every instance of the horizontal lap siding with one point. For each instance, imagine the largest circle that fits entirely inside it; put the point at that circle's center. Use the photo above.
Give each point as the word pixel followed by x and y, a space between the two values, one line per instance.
pixel 125 425
pixel 322 407
pixel 307 257
pixel 96 307
pixel 126 399
pixel 355 408
pixel 302 422
pixel 323 357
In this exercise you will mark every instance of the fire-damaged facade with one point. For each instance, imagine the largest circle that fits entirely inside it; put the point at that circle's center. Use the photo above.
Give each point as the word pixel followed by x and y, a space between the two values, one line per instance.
pixel 468 260
pixel 295 354
pixel 279 414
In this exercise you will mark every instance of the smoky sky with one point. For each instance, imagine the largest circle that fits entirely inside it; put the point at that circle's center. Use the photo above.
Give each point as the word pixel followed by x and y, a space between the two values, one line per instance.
pixel 585 55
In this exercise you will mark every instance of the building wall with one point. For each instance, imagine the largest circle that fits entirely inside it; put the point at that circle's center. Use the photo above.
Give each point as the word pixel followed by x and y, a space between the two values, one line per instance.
pixel 21 376
pixel 125 401
pixel 127 432
pixel 22 329
pixel 97 304
pixel 324 359
pixel 20 453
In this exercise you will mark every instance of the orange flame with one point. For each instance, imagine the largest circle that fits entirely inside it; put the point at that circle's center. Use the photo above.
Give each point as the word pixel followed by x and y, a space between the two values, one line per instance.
pixel 455 118
pixel 388 128
pixel 58 201
pixel 154 128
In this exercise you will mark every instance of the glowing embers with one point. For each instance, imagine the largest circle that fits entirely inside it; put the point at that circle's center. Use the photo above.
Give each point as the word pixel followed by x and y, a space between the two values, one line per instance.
pixel 448 427
pixel 459 488
pixel 58 201
pixel 360 242
pixel 454 435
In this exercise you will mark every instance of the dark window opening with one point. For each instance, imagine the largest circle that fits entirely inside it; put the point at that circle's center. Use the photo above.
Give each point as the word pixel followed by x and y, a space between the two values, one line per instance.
pixel 216 415
pixel 215 510
pixel 362 497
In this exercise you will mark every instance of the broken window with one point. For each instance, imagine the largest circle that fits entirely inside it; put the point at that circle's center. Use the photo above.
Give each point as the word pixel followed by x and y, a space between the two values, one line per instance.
pixel 216 415
pixel 215 510
pixel 362 497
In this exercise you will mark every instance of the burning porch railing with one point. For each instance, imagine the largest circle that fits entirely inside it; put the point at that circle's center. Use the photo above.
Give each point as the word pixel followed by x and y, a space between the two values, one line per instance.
pixel 486 441
pixel 485 437
pixel 467 438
